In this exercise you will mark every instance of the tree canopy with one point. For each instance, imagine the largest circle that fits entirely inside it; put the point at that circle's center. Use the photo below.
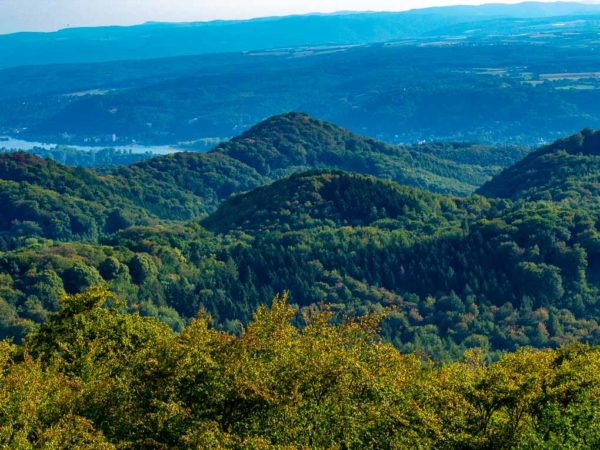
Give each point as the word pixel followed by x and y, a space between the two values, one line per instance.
pixel 95 377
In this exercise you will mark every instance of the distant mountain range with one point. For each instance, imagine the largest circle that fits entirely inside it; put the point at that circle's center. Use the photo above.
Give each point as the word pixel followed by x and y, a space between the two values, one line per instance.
pixel 523 74
pixel 157 40
pixel 526 89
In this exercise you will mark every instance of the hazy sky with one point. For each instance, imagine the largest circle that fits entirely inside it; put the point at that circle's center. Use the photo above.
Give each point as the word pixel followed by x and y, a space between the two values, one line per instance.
pixel 45 15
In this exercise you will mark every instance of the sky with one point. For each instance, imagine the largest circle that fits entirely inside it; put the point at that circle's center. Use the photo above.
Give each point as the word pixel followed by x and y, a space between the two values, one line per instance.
pixel 50 15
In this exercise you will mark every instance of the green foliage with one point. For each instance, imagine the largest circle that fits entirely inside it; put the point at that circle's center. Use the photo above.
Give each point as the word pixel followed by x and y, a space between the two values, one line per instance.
pixel 568 170
pixel 142 268
pixel 333 198
pixel 293 142
pixel 95 377
pixel 463 272
pixel 44 199
pixel 79 278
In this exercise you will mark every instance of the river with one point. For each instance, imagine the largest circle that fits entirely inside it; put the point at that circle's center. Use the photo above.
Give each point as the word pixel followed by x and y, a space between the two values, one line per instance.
pixel 19 144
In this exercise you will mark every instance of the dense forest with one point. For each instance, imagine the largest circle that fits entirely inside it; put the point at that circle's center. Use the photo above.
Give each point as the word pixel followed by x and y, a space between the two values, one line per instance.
pixel 342 231
pixel 46 199
pixel 94 377
pixel 567 169
pixel 303 287
pixel 215 232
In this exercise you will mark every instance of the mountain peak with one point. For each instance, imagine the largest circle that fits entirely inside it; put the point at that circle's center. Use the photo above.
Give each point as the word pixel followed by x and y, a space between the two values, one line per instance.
pixel 293 140
pixel 293 123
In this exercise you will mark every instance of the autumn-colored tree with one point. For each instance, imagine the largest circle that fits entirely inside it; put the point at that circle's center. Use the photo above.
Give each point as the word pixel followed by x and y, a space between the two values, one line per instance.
pixel 96 377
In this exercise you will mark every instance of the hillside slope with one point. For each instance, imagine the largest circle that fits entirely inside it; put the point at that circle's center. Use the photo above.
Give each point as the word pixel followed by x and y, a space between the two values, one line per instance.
pixel 401 92
pixel 498 273
pixel 335 198
pixel 293 142
pixel 42 198
pixel 567 169
pixel 50 200
pixel 457 272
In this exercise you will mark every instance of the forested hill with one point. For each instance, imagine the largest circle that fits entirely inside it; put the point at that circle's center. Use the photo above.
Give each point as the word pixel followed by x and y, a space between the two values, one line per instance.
pixel 294 142
pixel 44 198
pixel 458 272
pixel 567 169
pixel 40 197
pixel 335 198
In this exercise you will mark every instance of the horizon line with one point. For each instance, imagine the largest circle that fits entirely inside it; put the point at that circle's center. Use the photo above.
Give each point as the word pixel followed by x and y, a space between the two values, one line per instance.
pixel 306 14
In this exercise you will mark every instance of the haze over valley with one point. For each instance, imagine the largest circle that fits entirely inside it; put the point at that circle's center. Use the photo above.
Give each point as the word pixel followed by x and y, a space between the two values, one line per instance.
pixel 484 74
